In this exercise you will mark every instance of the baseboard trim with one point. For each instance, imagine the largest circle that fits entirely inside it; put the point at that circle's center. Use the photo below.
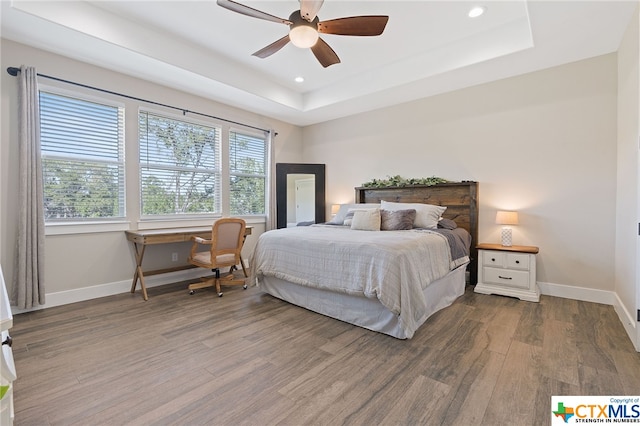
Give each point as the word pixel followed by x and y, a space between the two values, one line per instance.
pixel 87 293
pixel 578 293
pixel 628 322
pixel 596 296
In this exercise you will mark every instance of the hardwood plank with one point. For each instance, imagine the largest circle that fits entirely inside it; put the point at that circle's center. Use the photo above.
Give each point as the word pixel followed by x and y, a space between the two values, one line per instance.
pixel 559 357
pixel 517 384
pixel 531 325
pixel 415 409
pixel 249 358
pixel 548 387
pixel 473 394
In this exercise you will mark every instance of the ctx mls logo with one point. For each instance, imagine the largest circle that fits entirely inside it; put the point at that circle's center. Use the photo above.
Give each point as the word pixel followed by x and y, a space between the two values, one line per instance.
pixel 595 409
pixel 564 412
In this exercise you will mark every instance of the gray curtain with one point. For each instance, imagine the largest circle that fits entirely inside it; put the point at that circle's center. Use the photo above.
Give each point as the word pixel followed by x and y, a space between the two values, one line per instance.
pixel 271 183
pixel 28 284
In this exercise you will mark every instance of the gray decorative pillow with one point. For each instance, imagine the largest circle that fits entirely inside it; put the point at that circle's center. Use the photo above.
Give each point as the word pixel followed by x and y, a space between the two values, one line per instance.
pixel 427 215
pixel 447 224
pixel 398 220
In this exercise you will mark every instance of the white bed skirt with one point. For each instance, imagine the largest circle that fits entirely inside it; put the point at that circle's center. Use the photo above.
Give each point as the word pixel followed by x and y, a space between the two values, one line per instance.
pixel 362 311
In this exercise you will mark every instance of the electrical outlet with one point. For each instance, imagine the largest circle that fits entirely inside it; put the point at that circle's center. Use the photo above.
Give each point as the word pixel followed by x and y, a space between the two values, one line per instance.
pixel 174 257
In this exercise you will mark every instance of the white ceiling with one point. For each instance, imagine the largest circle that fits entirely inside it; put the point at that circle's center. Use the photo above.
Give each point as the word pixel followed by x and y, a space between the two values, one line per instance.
pixel 428 47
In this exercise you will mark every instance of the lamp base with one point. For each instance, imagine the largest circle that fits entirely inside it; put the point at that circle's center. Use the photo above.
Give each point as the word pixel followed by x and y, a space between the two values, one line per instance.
pixel 506 237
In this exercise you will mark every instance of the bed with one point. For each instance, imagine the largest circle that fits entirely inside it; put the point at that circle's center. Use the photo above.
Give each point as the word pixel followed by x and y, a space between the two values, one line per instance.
pixel 387 281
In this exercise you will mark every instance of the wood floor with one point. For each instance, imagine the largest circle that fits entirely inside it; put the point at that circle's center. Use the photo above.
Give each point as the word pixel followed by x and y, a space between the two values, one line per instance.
pixel 250 359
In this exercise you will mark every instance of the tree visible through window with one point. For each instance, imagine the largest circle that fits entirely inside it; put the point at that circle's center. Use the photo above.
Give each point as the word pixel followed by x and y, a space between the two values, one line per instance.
pixel 82 147
pixel 179 166
pixel 247 170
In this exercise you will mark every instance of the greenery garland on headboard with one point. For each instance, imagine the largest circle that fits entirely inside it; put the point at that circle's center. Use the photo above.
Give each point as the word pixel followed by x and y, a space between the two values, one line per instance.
pixel 399 181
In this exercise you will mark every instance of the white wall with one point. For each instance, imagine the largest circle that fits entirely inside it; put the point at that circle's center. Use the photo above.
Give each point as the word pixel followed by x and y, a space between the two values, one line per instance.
pixel 97 263
pixel 542 143
pixel 627 275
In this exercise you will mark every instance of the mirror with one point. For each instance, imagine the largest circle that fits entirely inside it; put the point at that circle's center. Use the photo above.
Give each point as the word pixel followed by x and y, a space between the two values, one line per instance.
pixel 299 194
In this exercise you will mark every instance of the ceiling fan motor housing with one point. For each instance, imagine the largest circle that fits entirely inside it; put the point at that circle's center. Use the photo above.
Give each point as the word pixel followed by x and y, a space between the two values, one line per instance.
pixel 303 33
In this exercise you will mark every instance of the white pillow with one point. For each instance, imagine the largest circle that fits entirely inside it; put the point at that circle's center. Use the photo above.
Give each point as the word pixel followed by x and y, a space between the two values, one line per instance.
pixel 338 219
pixel 427 215
pixel 349 217
pixel 366 220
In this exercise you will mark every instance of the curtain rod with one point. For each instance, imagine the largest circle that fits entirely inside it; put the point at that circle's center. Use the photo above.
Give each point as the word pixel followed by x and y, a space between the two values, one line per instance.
pixel 14 72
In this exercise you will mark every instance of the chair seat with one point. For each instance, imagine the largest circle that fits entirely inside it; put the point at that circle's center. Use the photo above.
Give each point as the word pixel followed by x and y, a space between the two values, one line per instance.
pixel 204 258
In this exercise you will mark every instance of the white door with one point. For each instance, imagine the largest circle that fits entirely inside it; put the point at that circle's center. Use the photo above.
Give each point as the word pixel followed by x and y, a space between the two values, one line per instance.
pixel 305 200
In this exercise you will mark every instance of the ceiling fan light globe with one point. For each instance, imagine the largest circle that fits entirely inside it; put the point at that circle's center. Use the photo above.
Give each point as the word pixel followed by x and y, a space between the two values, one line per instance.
pixel 303 36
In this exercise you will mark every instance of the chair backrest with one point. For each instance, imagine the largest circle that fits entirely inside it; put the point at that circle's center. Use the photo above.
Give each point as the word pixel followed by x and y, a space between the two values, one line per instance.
pixel 227 237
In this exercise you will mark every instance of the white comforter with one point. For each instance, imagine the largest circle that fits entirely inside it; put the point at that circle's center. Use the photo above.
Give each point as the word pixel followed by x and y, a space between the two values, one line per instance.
pixel 392 266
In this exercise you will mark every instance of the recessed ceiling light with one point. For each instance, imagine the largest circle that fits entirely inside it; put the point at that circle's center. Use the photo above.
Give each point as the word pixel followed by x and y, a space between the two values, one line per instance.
pixel 477 11
pixel 299 79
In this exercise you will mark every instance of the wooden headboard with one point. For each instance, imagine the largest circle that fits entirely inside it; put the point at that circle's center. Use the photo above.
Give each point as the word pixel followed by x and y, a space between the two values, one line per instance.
pixel 460 199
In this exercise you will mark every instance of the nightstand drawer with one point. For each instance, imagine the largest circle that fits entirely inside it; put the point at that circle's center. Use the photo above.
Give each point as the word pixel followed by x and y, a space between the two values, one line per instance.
pixel 506 277
pixel 493 258
pixel 505 260
pixel 517 261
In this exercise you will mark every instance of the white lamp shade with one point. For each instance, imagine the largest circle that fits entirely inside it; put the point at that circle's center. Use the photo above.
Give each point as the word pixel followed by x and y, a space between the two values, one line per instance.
pixel 507 218
pixel 303 36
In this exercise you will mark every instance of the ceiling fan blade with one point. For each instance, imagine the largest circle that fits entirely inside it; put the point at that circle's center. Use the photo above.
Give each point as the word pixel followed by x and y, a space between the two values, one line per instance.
pixel 324 53
pixel 249 11
pixel 272 48
pixel 354 25
pixel 309 9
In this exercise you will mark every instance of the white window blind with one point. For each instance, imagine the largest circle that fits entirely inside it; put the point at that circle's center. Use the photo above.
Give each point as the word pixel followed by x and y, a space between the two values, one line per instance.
pixel 179 167
pixel 82 147
pixel 247 173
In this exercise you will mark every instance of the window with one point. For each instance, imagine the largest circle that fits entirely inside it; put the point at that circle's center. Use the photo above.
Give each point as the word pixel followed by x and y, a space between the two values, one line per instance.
pixel 247 174
pixel 82 146
pixel 187 168
pixel 180 168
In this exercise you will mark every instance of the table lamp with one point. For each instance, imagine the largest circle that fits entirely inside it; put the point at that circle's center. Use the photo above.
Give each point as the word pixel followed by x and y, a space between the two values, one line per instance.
pixel 334 209
pixel 506 218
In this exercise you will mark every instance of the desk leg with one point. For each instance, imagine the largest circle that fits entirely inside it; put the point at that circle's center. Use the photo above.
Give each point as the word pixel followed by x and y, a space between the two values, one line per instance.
pixel 244 269
pixel 138 274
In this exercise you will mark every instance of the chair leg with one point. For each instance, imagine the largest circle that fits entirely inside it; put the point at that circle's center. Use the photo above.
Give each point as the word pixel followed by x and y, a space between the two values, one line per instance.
pixel 207 282
pixel 218 287
pixel 218 281
pixel 204 283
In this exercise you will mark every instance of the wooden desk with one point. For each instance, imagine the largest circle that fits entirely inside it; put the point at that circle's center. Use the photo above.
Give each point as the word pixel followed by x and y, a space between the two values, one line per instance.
pixel 143 238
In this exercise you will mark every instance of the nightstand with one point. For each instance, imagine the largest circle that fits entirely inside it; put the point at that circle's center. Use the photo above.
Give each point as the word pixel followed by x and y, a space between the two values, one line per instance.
pixel 508 271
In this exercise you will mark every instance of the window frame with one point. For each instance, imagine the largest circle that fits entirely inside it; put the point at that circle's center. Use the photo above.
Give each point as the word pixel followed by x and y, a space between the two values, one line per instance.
pixel 105 224
pixel 132 196
pixel 258 135
pixel 180 218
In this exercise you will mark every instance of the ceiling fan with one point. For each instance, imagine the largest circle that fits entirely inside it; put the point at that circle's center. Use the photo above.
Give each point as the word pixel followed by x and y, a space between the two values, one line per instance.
pixel 304 27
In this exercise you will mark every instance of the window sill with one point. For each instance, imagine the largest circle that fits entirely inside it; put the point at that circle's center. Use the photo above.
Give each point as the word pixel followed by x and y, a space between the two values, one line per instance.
pixel 190 223
pixel 84 227
pixel 70 228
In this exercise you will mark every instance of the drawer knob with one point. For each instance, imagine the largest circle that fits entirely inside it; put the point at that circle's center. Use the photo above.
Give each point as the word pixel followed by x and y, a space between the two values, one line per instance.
pixel 8 341
pixel 504 278
pixel 493 259
pixel 517 261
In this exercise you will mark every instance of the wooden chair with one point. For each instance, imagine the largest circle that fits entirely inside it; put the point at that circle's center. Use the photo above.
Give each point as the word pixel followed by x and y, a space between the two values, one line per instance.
pixel 225 245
